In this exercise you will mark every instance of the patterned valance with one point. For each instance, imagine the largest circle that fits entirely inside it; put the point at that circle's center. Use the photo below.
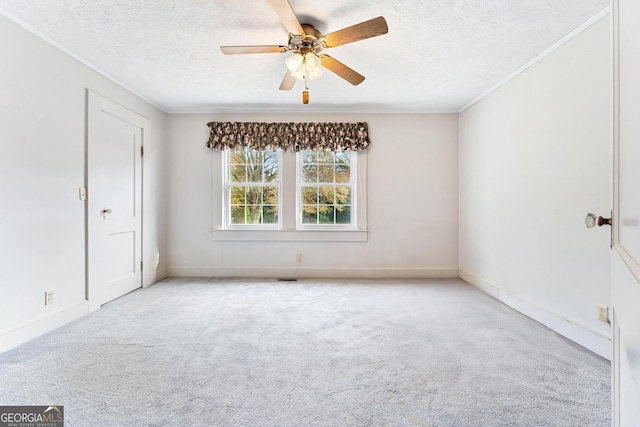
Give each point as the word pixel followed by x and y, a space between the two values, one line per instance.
pixel 297 136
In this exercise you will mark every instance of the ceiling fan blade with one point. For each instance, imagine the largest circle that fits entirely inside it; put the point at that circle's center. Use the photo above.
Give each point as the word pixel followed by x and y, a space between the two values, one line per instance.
pixel 364 30
pixel 237 50
pixel 341 70
pixel 287 16
pixel 288 81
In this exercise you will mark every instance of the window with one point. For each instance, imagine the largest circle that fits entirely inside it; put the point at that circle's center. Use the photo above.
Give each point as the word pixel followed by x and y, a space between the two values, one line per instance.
pixel 252 188
pixel 277 195
pixel 325 189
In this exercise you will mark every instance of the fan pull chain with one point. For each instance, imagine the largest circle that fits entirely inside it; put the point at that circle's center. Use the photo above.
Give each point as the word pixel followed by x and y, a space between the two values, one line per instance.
pixel 305 94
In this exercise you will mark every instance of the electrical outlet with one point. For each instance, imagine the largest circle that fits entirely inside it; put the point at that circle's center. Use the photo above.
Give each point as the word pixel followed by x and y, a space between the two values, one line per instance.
pixel 603 313
pixel 49 297
pixel 298 257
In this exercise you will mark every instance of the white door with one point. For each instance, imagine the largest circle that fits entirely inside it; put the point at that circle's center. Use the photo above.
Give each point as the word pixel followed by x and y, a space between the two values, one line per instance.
pixel 115 138
pixel 625 265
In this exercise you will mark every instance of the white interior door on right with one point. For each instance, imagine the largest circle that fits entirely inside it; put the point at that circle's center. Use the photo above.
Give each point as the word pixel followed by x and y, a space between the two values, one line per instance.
pixel 625 265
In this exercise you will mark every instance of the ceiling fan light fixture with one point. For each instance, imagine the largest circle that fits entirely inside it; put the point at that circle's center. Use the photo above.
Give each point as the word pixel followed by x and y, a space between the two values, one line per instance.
pixel 294 62
pixel 312 60
pixel 314 74
pixel 299 73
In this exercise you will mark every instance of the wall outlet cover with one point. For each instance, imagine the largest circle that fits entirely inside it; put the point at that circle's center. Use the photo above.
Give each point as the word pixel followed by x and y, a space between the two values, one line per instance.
pixel 49 297
pixel 603 313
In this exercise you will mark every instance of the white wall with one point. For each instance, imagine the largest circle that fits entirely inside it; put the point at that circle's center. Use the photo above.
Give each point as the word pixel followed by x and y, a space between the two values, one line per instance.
pixel 412 204
pixel 535 157
pixel 42 166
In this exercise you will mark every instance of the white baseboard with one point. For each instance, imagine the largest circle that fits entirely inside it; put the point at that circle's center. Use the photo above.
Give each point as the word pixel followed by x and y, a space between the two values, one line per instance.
pixel 41 326
pixel 575 331
pixel 323 273
pixel 155 276
pixel 50 322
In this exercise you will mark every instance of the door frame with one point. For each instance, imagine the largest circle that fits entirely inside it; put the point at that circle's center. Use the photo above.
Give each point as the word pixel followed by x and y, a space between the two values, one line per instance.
pixel 625 269
pixel 97 104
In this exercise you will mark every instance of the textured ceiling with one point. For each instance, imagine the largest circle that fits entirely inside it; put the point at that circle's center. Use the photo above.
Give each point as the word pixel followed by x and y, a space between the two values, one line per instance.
pixel 438 55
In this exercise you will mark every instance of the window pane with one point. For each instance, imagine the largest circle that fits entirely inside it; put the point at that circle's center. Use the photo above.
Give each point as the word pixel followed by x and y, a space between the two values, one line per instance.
pixel 308 157
pixel 254 195
pixel 309 173
pixel 253 157
pixel 237 196
pixel 309 195
pixel 238 173
pixel 237 158
pixel 237 214
pixel 343 215
pixel 325 173
pixel 253 214
pixel 309 215
pixel 326 196
pixel 254 173
pixel 270 166
pixel 325 157
pixel 343 157
pixel 270 195
pixel 343 195
pixel 343 173
pixel 254 166
pixel 326 215
pixel 270 214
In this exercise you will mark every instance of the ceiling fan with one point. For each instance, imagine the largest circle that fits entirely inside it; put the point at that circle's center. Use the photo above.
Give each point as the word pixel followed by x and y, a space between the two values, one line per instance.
pixel 307 43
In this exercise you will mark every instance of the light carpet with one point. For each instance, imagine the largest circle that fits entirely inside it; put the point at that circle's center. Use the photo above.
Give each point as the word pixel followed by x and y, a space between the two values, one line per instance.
pixel 228 352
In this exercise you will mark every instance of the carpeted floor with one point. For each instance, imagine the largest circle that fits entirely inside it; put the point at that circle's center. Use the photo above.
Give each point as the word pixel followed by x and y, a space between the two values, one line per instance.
pixel 201 352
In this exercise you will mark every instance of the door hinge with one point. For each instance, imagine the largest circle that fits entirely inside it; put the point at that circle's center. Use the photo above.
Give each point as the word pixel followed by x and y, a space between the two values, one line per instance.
pixel 141 263
pixel 142 151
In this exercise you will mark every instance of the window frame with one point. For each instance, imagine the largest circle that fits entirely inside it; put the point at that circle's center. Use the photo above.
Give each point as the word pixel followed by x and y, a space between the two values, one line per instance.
pixel 226 194
pixel 220 232
pixel 352 184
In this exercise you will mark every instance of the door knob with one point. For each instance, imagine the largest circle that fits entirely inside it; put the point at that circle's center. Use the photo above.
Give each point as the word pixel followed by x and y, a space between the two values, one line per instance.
pixel 591 221
pixel 105 211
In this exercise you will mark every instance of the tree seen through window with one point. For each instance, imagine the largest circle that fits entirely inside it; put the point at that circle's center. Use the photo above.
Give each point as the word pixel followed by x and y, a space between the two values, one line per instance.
pixel 253 185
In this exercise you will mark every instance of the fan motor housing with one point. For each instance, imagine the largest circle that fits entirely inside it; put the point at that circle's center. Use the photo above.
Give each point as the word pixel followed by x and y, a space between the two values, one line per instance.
pixel 310 41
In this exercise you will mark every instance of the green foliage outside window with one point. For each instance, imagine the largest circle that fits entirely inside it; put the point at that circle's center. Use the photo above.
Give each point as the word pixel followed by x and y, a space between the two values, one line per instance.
pixel 326 187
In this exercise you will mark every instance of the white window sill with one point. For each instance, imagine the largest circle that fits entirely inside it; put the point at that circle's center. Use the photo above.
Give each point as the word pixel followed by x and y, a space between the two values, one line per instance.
pixel 222 235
